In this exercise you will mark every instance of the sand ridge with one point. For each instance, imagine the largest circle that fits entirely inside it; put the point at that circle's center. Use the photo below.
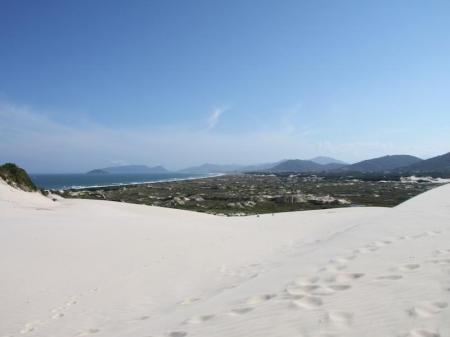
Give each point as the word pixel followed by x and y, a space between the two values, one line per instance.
pixel 95 268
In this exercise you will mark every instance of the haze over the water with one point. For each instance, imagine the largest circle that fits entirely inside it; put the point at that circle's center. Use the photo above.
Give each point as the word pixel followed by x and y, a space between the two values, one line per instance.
pixel 91 84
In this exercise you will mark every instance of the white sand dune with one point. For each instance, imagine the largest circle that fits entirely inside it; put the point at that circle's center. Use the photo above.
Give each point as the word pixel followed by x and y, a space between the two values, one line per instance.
pixel 83 267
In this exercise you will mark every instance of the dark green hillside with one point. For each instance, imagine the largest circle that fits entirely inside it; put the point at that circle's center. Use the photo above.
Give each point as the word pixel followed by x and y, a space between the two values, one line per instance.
pixel 435 164
pixel 298 165
pixel 16 177
pixel 382 164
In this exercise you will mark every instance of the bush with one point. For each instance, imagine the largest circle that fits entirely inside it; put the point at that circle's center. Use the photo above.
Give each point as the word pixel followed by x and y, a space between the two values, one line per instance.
pixel 17 177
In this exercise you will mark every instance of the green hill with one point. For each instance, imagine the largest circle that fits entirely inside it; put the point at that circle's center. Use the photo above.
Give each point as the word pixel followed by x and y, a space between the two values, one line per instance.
pixel 383 164
pixel 17 177
pixel 435 164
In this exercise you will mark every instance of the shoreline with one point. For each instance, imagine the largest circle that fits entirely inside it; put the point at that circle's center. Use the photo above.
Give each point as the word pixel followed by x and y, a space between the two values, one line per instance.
pixel 93 187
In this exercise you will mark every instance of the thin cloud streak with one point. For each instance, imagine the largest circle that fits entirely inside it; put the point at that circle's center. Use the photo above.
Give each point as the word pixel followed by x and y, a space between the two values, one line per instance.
pixel 40 144
pixel 214 117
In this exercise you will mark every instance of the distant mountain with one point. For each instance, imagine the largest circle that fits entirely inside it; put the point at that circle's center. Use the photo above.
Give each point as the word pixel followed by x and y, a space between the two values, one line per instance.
pixel 322 160
pixel 435 164
pixel 218 168
pixel 260 167
pixel 333 166
pixel 98 171
pixel 398 163
pixel 130 169
pixel 381 164
pixel 297 165
pixel 212 168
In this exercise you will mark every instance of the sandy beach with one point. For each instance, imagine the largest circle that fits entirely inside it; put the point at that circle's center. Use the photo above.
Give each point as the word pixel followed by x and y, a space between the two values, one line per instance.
pixel 98 268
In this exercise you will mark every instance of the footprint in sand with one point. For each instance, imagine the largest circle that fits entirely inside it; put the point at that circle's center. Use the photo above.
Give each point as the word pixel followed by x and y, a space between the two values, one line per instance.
pixel 322 291
pixel 373 248
pixel 427 309
pixel 421 235
pixel 409 267
pixel 240 311
pixel 71 302
pixel 27 329
pixel 339 287
pixel 441 261
pixel 389 277
pixel 427 233
pixel 364 250
pixel 375 245
pixel 443 251
pixel 139 319
pixel 190 300
pixel 435 232
pixel 309 289
pixel 260 299
pixel 301 280
pixel 177 334
pixel 341 260
pixel 302 289
pixel 344 277
pixel 30 327
pixel 89 332
pixel 379 244
pixel 332 268
pixel 58 315
pixel 337 263
pixel 200 319
pixel 297 292
pixel 308 302
pixel 340 317
pixel 56 310
pixel 421 333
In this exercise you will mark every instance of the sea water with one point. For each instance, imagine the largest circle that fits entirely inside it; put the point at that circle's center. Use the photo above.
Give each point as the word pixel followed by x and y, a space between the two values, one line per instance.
pixel 77 180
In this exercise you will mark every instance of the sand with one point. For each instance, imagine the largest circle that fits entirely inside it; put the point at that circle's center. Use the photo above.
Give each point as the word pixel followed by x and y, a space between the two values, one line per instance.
pixel 99 268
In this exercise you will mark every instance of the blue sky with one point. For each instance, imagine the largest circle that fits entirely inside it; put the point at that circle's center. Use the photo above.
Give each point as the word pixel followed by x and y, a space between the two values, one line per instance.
pixel 87 84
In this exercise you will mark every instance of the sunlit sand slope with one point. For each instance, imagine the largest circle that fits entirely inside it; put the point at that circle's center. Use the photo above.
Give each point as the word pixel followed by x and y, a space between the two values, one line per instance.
pixel 98 268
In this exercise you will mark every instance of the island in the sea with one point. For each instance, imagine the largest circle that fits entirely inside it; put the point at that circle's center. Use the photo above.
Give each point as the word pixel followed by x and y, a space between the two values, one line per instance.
pixel 130 169
pixel 97 171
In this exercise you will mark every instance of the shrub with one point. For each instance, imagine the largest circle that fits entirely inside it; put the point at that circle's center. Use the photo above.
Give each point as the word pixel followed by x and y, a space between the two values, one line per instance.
pixel 17 177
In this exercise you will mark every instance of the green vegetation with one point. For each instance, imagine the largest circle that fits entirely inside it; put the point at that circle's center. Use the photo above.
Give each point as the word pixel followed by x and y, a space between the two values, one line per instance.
pixel 245 194
pixel 16 177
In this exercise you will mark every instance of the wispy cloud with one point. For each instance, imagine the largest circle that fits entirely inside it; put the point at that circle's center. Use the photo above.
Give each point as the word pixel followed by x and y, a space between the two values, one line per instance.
pixel 41 144
pixel 214 117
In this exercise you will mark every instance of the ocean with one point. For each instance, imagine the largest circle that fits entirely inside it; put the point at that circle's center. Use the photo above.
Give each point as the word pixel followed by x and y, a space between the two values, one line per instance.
pixel 77 180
